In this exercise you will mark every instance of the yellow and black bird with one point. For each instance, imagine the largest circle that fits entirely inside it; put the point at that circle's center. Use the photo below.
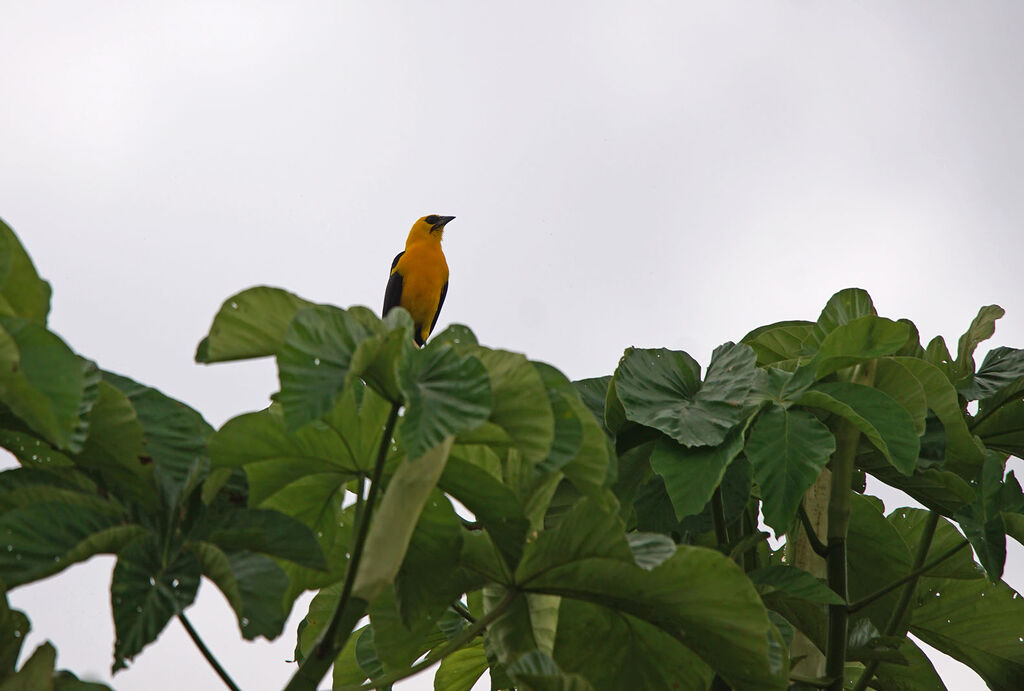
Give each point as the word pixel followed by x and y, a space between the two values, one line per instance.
pixel 419 276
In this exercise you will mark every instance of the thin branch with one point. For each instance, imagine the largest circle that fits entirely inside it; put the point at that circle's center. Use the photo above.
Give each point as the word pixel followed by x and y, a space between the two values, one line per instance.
pixel 194 635
pixel 895 626
pixel 812 537
pixel 867 600
pixel 333 639
pixel 463 611
pixel 468 634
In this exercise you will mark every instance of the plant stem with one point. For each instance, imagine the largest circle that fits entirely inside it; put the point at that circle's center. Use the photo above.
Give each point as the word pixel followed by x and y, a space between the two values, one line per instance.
pixel 847 438
pixel 895 625
pixel 718 517
pixel 463 612
pixel 750 561
pixel 812 537
pixel 882 592
pixel 349 610
pixel 194 635
pixel 454 644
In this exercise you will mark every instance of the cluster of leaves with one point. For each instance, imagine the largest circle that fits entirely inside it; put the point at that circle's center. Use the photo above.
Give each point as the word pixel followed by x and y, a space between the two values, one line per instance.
pixel 591 535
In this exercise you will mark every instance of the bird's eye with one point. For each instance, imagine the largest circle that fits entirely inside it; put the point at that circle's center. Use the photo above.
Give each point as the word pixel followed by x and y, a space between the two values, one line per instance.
pixel 431 219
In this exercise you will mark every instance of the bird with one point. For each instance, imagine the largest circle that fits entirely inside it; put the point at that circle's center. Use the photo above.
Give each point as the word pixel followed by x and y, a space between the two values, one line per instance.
pixel 419 276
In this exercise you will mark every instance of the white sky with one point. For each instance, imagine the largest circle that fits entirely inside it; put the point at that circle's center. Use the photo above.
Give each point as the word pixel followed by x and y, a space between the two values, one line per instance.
pixel 624 173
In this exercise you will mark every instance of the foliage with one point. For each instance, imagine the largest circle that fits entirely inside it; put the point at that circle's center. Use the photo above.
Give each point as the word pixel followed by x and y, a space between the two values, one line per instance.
pixel 490 515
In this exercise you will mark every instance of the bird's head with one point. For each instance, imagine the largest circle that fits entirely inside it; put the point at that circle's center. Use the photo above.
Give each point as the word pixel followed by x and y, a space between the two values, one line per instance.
pixel 429 227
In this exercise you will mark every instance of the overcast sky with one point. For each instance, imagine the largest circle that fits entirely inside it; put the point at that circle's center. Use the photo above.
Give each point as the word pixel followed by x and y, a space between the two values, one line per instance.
pixel 666 174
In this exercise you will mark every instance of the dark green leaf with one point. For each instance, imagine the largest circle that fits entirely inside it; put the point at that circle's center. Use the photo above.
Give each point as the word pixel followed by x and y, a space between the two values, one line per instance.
pixel 1001 368
pixel 915 673
pixel 900 384
pixel 22 292
pixel 44 383
pixel 788 449
pixel 14 627
pixel 885 423
pixel 254 587
pixel 842 308
pixel 445 394
pixel 267 532
pixel 981 329
pixel 44 538
pixel 520 402
pixel 877 556
pixel 976 622
pixel 982 521
pixel 538 672
pixel 910 523
pixel 145 593
pixel 692 474
pixel 864 338
pixel 779 341
pixel 593 393
pixel 250 324
pixel 37 672
pixel 793 582
pixel 314 360
pixel 460 670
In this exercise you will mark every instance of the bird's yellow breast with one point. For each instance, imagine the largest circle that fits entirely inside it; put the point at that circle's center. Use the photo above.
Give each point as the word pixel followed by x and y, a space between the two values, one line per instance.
pixel 424 272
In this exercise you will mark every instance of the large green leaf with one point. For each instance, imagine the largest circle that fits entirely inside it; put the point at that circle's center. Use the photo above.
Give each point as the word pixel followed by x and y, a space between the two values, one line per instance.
pixel 568 426
pixel 537 671
pixel 877 556
pixel 22 292
pixel 46 537
pixel 460 670
pixel 779 341
pixel 396 644
pixel 1002 367
pixel 916 674
pixel 314 360
pixel 394 522
pixel 252 583
pixel 175 438
pixel 445 393
pixel 116 447
pixel 788 449
pixel 593 392
pixel 975 622
pixel 910 523
pixel 963 455
pixel 842 308
pixel 662 389
pixel 37 672
pixel 982 521
pixel 900 384
pixel 692 474
pixel 616 651
pixel 250 324
pixel 145 593
pixel 520 402
pixel 939 490
pixel 32 451
pixel 44 383
pixel 266 532
pixel 885 423
pixel 14 627
pixel 864 338
pixel 793 582
pixel 1000 420
pixel 982 327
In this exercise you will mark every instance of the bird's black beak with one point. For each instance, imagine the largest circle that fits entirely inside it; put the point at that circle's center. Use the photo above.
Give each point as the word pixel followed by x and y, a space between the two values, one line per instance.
pixel 441 221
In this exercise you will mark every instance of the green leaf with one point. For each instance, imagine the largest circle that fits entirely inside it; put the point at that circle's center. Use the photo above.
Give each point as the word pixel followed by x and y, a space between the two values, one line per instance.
pixel 793 582
pixel 445 394
pixel 982 327
pixel 44 538
pixel 34 452
pixel 1001 368
pixel 377 359
pixel 650 549
pixel 877 556
pixel 692 474
pixel 37 672
pixel 778 342
pixel 395 520
pixel 346 666
pixel 916 673
pixel 900 384
pixel 313 362
pixel 568 425
pixel 1000 420
pixel 842 308
pixel 538 672
pixel 14 627
pixel 885 423
pixel 975 622
pixel 865 338
pixel 253 585
pixel 939 490
pixel 396 644
pixel 520 402
pixel 910 522
pixel 22 292
pixel 661 389
pixel 175 438
pixel 593 392
pixel 250 324
pixel 44 383
pixel 267 532
pixel 460 670
pixel 788 449
pixel 145 593
pixel 982 521
pixel 116 447
pixel 963 455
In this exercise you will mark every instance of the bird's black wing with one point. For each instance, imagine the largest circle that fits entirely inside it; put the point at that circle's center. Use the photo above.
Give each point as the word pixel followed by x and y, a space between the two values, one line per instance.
pixel 393 294
pixel 444 291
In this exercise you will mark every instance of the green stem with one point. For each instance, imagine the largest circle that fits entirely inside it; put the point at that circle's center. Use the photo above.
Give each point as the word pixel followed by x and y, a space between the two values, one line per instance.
pixel 194 635
pixel 468 634
pixel 882 592
pixel 847 438
pixel 718 517
pixel 812 537
pixel 896 625
pixel 463 612
pixel 349 610
pixel 750 530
